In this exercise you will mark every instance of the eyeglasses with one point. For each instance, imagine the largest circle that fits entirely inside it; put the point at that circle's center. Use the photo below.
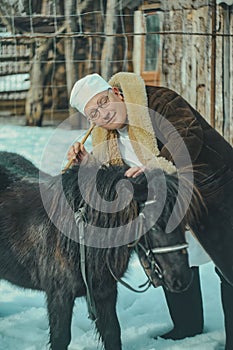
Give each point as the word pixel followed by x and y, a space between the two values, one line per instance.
pixel 103 102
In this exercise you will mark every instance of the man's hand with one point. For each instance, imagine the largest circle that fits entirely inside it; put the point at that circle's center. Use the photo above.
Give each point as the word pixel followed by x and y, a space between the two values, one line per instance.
pixel 77 152
pixel 135 171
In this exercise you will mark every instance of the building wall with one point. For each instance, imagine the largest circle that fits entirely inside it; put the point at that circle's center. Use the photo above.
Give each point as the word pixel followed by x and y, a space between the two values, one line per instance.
pixel 186 65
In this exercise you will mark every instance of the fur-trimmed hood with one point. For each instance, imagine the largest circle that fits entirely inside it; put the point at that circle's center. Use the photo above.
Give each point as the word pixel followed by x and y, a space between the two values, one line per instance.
pixel 140 129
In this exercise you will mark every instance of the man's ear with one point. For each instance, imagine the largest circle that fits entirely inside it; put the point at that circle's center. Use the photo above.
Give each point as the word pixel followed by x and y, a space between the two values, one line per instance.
pixel 117 92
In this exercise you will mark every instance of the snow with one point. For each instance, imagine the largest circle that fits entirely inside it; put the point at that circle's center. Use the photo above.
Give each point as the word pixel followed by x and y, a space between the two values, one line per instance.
pixel 23 315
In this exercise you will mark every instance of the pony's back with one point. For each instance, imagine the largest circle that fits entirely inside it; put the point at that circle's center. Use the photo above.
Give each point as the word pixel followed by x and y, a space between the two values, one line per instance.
pixel 15 168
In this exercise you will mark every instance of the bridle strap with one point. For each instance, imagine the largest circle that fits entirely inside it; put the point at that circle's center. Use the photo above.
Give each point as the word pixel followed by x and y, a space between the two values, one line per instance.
pixel 127 285
pixel 168 249
pixel 130 245
pixel 159 250
pixel 151 252
pixel 81 222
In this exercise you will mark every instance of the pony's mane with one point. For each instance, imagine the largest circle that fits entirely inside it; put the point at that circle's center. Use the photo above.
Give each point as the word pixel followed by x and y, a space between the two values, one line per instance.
pixel 99 188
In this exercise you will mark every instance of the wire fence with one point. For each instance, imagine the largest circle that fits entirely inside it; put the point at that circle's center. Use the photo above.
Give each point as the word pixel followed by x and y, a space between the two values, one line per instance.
pixel 46 47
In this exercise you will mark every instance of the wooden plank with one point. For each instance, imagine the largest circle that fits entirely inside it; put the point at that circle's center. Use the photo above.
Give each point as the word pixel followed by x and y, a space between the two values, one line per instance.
pixel 186 58
pixel 154 6
pixel 137 49
pixel 13 67
pixel 151 78
pixel 227 77
pixel 71 72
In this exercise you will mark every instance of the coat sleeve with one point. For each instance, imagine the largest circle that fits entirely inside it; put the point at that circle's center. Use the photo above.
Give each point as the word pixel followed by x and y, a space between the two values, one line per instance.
pixel 181 132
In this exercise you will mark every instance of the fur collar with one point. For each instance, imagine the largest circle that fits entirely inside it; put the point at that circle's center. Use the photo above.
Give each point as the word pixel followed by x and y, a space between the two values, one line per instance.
pixel 140 128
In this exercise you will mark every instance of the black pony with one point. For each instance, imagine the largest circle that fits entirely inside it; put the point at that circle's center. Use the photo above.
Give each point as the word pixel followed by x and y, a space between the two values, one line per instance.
pixel 73 235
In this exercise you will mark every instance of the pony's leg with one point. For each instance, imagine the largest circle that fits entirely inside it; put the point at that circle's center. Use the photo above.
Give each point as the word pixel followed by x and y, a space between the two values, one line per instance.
pixel 107 322
pixel 60 309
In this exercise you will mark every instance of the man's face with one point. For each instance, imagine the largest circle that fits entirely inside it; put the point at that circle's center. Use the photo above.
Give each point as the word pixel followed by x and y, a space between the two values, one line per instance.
pixel 107 109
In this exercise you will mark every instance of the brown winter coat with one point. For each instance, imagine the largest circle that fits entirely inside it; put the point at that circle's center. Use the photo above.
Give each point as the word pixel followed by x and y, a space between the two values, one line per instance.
pixel 212 160
pixel 170 117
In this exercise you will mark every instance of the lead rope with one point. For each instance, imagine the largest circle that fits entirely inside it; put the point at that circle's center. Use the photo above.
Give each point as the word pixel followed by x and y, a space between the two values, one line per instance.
pixel 81 223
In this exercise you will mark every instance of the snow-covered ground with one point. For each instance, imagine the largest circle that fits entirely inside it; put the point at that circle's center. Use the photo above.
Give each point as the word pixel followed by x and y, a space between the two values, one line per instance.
pixel 23 315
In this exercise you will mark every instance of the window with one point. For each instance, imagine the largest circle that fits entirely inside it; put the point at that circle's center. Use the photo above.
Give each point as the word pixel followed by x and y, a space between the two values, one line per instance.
pixel 147 46
pixel 151 42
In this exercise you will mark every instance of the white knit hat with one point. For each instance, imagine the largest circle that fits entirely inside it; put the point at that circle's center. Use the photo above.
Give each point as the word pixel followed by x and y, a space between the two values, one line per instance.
pixel 86 88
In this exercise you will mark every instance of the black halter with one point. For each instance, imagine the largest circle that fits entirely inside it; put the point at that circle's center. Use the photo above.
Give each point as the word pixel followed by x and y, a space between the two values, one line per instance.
pixel 160 250
pixel 149 253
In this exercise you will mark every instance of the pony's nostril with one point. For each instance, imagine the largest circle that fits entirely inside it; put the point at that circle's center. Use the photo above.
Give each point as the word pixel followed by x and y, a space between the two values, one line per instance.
pixel 182 283
pixel 177 284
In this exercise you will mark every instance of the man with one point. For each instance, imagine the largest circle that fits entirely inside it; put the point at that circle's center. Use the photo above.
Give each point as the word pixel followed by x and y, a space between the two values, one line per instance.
pixel 171 135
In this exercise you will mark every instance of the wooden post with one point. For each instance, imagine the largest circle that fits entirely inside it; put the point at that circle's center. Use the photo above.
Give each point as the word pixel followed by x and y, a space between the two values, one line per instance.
pixel 108 48
pixel 34 100
pixel 137 48
pixel 71 71
pixel 227 78
pixel 213 64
